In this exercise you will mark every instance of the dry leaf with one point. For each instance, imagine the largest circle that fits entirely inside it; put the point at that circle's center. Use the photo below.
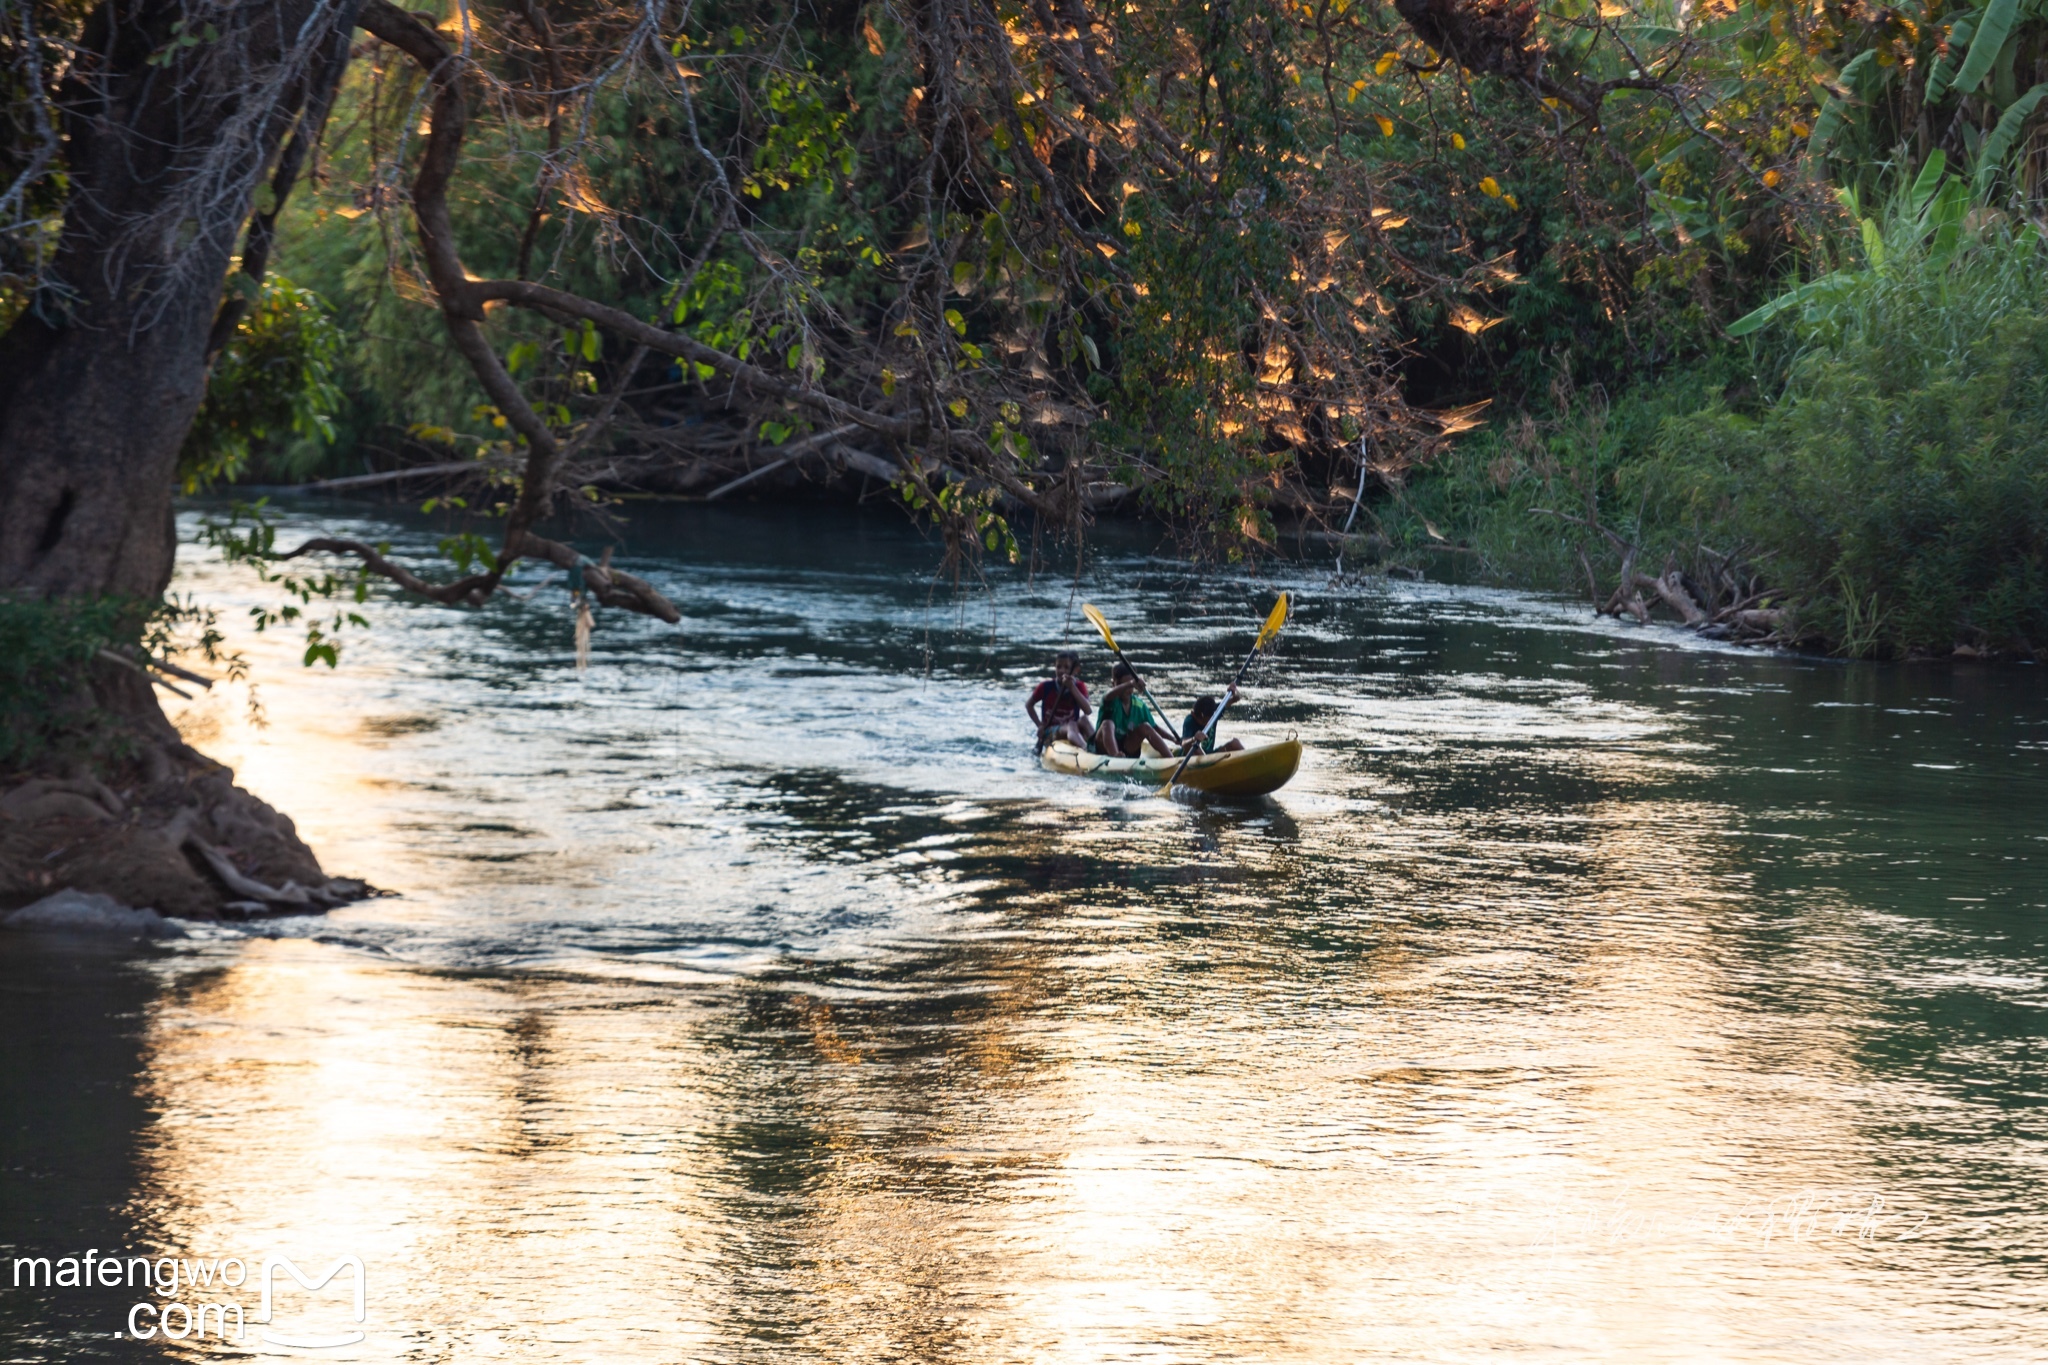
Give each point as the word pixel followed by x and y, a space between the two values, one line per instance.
pixel 576 188
pixel 1455 420
pixel 1471 323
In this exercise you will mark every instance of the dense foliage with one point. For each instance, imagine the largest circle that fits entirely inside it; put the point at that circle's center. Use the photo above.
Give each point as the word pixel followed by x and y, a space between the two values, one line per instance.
pixel 273 381
pixel 1202 252
pixel 1878 455
pixel 1508 269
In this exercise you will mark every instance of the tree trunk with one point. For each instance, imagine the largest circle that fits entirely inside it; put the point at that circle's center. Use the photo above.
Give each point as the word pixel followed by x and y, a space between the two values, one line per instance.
pixel 100 379
pixel 167 142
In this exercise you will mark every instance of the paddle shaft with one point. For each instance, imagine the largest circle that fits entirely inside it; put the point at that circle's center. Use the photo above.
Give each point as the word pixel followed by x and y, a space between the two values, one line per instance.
pixel 1215 716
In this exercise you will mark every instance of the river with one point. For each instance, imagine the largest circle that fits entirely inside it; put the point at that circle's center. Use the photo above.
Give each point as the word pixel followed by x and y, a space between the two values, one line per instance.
pixel 1593 993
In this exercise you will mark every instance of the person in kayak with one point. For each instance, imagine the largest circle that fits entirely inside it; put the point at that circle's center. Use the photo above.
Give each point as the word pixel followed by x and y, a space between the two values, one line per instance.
pixel 1058 707
pixel 1128 720
pixel 1198 721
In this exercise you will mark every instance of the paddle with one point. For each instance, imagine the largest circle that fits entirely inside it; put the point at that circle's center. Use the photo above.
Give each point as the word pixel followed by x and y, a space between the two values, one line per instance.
pixel 1275 619
pixel 1096 619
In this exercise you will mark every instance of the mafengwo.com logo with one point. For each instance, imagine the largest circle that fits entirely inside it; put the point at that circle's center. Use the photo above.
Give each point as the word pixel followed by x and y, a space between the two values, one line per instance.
pixel 188 1298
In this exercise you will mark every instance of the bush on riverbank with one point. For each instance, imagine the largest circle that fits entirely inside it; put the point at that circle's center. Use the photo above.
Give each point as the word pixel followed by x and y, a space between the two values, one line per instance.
pixel 1892 490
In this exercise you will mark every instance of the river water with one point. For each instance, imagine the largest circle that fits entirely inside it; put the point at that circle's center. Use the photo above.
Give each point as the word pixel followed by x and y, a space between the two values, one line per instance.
pixel 1592 994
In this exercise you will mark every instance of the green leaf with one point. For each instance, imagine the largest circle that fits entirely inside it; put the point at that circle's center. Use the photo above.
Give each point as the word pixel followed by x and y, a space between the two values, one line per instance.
pixel 1750 322
pixel 591 345
pixel 1990 36
pixel 1945 218
pixel 1944 74
pixel 1831 114
pixel 1927 182
pixel 1991 156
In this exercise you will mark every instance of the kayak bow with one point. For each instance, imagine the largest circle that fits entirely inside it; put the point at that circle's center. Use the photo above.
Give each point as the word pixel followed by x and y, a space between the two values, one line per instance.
pixel 1244 772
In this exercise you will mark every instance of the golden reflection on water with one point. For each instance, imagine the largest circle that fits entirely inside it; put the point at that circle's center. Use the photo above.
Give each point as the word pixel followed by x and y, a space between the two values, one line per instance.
pixel 576 1170
pixel 509 1159
pixel 677 1051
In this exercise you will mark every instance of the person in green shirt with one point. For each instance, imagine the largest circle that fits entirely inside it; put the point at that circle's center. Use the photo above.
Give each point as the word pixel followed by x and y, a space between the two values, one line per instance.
pixel 1198 720
pixel 1128 722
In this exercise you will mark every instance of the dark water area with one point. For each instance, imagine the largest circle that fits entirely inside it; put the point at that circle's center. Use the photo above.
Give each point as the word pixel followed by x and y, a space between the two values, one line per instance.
pixel 1593 993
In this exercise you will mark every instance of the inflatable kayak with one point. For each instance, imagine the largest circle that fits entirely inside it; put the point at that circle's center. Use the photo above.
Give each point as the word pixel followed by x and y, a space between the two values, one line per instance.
pixel 1246 772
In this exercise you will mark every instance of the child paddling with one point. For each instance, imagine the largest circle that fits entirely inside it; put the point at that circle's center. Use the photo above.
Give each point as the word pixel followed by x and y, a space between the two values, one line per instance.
pixel 1194 730
pixel 1058 707
pixel 1128 720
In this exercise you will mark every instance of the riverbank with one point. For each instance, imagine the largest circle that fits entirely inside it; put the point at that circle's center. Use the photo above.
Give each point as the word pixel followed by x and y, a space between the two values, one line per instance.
pixel 1510 507
pixel 1868 465
pixel 184 841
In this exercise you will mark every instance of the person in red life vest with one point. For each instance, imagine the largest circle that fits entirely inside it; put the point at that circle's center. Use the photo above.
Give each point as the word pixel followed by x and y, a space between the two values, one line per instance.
pixel 1059 707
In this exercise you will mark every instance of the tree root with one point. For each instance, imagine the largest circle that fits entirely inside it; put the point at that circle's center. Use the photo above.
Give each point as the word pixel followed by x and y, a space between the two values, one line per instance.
pixel 167 830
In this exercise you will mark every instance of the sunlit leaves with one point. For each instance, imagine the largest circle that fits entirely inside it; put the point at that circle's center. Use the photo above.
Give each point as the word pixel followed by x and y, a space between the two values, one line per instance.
pixel 275 381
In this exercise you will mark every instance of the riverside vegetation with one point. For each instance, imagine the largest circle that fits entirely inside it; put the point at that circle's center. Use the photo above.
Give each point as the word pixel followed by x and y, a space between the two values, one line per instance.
pixel 1728 310
pixel 1359 234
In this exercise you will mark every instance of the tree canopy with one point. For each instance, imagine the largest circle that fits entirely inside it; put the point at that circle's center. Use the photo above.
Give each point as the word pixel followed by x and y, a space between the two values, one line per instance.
pixel 1231 259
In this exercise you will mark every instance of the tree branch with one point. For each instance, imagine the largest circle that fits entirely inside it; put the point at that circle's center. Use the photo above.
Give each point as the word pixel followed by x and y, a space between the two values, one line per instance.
pixel 462 311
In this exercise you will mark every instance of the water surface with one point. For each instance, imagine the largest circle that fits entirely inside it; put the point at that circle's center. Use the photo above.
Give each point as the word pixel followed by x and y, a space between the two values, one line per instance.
pixel 1591 994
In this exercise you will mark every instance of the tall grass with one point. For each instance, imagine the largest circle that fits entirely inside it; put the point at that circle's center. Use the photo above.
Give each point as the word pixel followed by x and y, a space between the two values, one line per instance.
pixel 1900 485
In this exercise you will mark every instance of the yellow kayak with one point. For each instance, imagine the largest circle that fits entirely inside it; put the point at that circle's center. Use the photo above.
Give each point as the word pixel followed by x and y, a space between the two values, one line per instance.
pixel 1247 772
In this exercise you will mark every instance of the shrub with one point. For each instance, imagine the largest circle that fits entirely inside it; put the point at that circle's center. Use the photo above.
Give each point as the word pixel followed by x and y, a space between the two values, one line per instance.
pixel 274 380
pixel 1902 505
pixel 1894 493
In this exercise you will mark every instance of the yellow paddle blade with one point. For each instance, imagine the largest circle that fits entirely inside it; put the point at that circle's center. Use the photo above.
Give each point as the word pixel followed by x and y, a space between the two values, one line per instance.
pixel 1095 618
pixel 1275 619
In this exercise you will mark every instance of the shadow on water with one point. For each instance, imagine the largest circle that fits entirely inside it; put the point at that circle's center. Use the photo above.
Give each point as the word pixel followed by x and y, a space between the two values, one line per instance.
pixel 73 1119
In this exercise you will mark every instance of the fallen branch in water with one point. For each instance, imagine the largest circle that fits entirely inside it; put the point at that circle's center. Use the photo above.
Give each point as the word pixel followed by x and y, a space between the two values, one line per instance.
pixel 1717 601
pixel 451 468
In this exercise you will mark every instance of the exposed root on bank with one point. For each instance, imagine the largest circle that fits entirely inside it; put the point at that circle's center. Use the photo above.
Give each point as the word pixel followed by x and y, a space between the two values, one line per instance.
pixel 165 829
